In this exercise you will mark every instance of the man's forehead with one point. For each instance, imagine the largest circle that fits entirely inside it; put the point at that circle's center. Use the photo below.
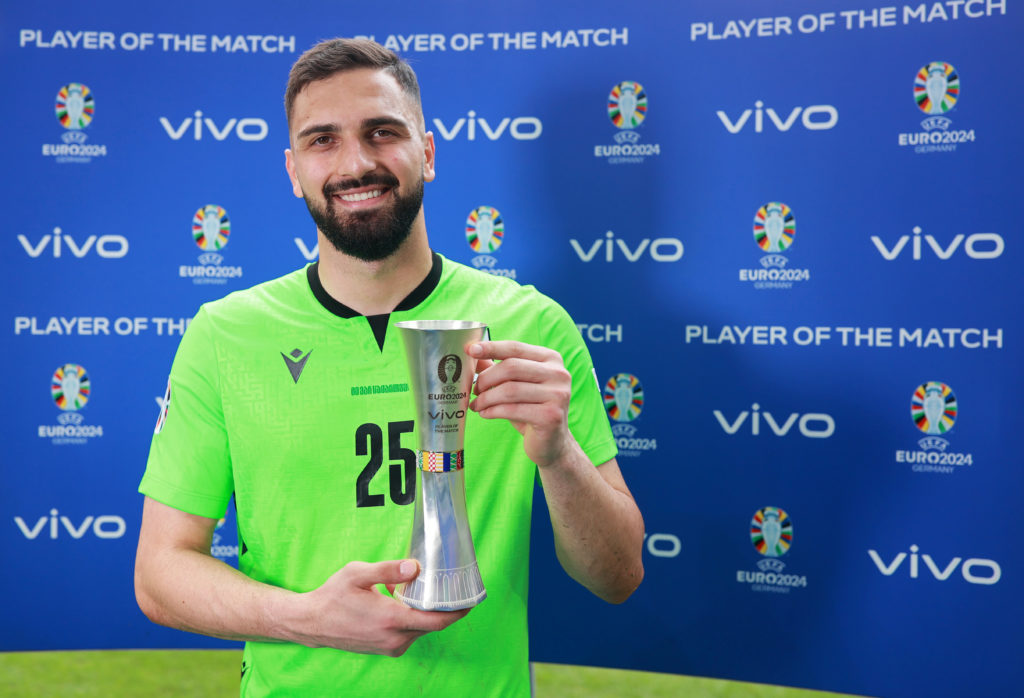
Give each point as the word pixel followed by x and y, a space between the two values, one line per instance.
pixel 364 93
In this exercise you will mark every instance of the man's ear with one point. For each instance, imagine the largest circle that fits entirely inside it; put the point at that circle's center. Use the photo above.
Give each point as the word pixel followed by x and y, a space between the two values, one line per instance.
pixel 289 165
pixel 428 157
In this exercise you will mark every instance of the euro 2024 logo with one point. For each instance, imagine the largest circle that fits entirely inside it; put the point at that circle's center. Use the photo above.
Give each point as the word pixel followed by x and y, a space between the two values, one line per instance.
pixel 623 397
pixel 75 107
pixel 934 410
pixel 774 231
pixel 936 94
pixel 70 390
pixel 211 231
pixel 771 534
pixel 485 233
pixel 627 109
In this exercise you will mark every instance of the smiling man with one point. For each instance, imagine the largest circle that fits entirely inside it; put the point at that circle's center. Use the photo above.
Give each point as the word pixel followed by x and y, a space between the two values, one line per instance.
pixel 317 449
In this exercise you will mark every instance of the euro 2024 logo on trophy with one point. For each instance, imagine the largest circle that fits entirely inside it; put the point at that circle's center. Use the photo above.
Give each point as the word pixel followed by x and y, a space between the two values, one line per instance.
pixel 440 380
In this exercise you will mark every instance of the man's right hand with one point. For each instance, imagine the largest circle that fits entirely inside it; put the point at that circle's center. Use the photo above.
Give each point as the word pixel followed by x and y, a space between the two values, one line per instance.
pixel 350 612
pixel 180 585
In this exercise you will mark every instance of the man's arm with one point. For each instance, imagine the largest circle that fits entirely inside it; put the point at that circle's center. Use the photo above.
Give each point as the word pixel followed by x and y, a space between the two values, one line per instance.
pixel 178 583
pixel 598 527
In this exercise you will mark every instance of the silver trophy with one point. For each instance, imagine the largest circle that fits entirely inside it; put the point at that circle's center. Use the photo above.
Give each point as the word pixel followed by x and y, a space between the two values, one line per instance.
pixel 440 379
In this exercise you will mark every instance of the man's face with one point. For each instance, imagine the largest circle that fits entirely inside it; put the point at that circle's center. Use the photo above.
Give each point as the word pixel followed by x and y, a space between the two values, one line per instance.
pixel 359 158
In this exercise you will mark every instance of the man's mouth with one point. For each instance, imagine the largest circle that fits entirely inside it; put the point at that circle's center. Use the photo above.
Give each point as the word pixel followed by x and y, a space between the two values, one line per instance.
pixel 361 196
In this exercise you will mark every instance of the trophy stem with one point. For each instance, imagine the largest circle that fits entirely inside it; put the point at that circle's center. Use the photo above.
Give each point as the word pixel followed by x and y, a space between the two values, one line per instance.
pixel 449 577
pixel 441 379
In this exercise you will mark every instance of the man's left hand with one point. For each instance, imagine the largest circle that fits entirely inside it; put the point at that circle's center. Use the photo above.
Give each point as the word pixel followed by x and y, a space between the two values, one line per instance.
pixel 529 386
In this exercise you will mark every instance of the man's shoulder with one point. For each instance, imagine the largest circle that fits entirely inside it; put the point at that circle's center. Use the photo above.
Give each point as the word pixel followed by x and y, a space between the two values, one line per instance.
pixel 510 308
pixel 259 309
pixel 493 286
pixel 268 296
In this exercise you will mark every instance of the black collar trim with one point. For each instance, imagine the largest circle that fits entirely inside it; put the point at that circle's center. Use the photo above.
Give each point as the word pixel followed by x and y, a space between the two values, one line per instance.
pixel 335 307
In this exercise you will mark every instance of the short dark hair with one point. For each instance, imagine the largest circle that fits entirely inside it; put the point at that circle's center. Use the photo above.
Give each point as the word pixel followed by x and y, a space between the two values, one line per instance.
pixel 338 55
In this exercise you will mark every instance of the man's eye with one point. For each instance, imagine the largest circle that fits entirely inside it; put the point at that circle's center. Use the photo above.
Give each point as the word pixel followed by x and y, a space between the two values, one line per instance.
pixel 382 133
pixel 321 140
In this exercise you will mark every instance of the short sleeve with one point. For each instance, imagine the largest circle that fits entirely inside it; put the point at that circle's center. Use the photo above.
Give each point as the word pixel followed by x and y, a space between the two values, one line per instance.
pixel 588 420
pixel 189 465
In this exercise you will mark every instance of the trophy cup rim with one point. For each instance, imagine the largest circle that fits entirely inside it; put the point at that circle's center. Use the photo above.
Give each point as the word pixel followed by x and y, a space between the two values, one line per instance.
pixel 440 325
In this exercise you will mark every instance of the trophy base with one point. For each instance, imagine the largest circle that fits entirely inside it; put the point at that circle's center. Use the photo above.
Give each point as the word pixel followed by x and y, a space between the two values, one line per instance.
pixel 443 590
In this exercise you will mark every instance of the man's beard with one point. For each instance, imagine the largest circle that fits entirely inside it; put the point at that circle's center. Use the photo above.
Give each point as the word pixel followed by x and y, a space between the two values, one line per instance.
pixel 367 235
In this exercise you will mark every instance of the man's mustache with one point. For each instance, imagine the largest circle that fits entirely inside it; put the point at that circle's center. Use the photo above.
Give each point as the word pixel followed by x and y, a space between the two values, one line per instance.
pixel 369 180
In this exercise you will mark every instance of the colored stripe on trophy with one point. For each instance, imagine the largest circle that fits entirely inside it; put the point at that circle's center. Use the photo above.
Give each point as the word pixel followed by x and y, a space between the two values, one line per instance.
pixel 439 462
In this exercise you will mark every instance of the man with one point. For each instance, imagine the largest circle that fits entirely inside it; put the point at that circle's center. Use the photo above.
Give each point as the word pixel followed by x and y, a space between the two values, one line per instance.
pixel 318 452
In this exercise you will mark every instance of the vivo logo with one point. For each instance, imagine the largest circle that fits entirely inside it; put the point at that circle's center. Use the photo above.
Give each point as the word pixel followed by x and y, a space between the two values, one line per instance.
pixel 521 128
pixel 813 425
pixel 989 570
pixel 309 254
pixel 659 249
pixel 663 544
pixel 443 414
pixel 106 246
pixel 104 526
pixel 991 245
pixel 817 117
pixel 247 129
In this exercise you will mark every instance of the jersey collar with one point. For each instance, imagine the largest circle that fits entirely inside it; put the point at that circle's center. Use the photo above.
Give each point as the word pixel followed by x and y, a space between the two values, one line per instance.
pixel 417 296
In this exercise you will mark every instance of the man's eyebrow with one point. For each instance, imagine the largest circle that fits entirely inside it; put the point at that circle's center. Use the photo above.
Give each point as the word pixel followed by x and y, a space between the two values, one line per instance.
pixel 316 128
pixel 386 121
pixel 374 122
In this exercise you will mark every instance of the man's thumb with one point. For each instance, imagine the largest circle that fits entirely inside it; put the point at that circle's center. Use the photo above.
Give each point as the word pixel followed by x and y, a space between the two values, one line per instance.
pixel 408 570
pixel 395 572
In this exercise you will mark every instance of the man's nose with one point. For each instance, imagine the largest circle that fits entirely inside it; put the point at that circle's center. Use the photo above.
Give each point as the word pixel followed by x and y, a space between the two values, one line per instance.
pixel 355 159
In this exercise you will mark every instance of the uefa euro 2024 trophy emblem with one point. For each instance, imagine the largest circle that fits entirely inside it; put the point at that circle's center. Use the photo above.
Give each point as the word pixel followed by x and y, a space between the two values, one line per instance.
pixel 440 380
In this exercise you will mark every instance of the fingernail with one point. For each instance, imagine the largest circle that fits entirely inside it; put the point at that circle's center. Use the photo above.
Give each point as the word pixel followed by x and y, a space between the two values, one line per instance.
pixel 474 349
pixel 408 567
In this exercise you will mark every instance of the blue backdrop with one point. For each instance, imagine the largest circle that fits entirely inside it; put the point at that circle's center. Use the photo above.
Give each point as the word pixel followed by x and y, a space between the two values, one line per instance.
pixel 785 230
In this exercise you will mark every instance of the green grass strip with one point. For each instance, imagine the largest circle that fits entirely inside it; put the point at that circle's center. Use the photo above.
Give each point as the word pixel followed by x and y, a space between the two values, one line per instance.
pixel 215 674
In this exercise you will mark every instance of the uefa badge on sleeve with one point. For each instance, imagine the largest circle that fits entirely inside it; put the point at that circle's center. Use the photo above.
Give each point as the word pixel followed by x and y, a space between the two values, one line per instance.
pixel 165 406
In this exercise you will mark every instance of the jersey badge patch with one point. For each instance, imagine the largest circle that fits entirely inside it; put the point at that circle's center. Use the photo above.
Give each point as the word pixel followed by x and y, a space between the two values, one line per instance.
pixel 296 362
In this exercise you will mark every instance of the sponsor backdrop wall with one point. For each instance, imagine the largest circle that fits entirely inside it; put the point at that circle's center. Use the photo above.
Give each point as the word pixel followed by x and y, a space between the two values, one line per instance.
pixel 786 230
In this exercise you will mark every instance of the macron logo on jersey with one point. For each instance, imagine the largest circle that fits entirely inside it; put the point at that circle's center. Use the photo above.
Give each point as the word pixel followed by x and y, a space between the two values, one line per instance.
pixel 295 364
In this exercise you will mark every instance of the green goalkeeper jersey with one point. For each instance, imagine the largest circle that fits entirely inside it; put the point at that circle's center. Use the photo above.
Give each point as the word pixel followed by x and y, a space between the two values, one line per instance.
pixel 301 409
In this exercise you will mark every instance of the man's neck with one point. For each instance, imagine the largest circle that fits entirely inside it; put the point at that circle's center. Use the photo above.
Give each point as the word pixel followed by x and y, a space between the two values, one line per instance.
pixel 374 288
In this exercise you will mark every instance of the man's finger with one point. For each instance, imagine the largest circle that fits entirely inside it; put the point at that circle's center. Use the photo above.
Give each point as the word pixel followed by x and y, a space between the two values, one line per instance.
pixel 507 349
pixel 390 572
pixel 514 392
pixel 431 621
